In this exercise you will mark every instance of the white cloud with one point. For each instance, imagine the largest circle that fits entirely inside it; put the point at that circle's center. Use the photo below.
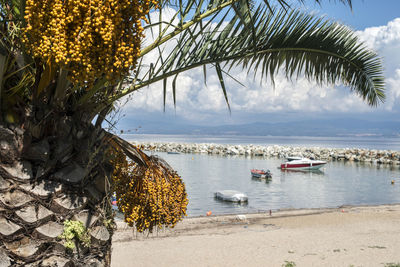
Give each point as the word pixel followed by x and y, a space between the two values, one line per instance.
pixel 386 41
pixel 378 37
pixel 194 97
pixel 393 94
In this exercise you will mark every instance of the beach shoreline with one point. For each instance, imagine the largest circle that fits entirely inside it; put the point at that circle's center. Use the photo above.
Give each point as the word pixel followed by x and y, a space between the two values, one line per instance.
pixel 343 236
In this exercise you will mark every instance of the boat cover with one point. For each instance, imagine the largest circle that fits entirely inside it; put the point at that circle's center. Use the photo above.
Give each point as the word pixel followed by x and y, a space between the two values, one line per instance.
pixel 231 195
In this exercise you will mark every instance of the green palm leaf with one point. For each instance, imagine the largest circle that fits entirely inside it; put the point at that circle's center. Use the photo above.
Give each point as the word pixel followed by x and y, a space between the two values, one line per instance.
pixel 293 42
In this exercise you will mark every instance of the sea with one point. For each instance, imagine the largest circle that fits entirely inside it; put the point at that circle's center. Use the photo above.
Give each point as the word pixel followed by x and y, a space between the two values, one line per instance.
pixel 337 184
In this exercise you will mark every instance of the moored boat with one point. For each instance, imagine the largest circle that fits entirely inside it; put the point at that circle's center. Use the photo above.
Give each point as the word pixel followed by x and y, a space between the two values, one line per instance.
pixel 261 174
pixel 231 196
pixel 302 164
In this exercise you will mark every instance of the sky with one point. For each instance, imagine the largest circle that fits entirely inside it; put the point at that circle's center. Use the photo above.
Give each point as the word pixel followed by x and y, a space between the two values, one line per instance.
pixel 377 23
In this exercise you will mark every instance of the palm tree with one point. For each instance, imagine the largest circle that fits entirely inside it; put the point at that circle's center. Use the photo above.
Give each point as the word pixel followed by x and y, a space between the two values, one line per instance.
pixel 57 163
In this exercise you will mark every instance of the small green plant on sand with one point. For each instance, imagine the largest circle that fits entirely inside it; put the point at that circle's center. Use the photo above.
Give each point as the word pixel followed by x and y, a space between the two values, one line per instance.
pixel 391 264
pixel 75 231
pixel 289 264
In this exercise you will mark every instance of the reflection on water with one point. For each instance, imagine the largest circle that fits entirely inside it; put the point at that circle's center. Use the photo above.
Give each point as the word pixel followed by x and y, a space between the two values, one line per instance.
pixel 311 172
pixel 336 184
pixel 261 179
pixel 231 204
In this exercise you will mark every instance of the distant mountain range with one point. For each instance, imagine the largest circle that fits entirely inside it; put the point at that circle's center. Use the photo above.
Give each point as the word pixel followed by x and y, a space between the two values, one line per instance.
pixel 332 127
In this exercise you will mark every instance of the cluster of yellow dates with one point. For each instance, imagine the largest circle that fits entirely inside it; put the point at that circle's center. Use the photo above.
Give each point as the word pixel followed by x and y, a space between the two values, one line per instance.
pixel 90 38
pixel 148 196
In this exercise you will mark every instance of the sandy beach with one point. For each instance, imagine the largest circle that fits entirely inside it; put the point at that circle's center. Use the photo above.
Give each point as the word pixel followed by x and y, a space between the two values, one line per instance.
pixel 345 236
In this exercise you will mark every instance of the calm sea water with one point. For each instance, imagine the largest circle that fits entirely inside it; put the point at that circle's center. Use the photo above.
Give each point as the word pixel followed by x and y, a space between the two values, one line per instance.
pixel 338 183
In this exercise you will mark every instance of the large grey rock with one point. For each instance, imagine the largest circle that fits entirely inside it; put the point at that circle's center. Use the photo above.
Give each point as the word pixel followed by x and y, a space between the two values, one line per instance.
pixel 258 152
pixel 50 230
pixel 15 198
pixel 215 151
pixel 73 174
pixel 21 170
pixel 43 189
pixel 8 146
pixel 31 214
pixel 7 227
pixel 38 151
pixel 233 151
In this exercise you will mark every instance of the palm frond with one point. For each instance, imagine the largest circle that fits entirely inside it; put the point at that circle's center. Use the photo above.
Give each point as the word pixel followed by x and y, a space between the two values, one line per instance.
pixel 194 18
pixel 294 42
pixel 131 151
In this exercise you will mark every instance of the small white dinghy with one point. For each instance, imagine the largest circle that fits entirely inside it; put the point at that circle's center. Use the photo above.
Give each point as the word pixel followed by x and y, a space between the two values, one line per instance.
pixel 231 195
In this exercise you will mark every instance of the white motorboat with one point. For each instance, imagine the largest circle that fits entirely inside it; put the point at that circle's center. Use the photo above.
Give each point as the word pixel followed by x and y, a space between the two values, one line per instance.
pixel 302 164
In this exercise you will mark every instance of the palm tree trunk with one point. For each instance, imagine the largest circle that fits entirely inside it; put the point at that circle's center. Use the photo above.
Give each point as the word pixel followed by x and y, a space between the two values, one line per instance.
pixel 49 176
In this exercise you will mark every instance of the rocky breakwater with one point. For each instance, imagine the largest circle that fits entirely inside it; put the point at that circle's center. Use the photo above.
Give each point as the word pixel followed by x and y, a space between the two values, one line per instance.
pixel 345 154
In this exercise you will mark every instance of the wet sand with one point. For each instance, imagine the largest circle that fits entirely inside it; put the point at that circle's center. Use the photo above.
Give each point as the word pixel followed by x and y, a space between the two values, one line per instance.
pixel 346 236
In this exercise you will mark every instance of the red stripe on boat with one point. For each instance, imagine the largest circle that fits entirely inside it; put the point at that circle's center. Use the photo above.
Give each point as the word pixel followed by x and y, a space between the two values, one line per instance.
pixel 285 166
